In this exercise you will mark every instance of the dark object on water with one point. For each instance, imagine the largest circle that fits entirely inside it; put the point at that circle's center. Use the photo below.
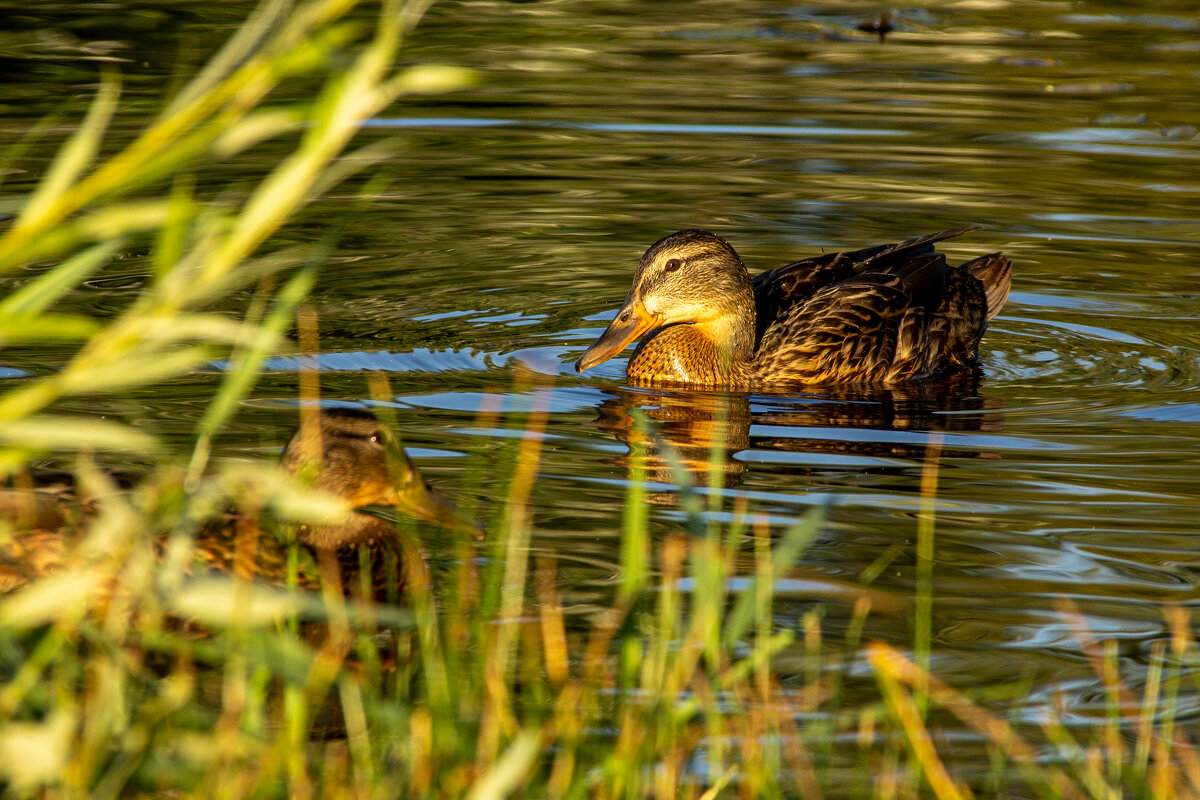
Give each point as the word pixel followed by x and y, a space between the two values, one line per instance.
pixel 882 315
pixel 880 25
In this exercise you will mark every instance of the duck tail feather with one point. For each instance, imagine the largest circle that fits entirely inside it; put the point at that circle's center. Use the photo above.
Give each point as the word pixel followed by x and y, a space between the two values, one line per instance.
pixel 994 271
pixel 921 244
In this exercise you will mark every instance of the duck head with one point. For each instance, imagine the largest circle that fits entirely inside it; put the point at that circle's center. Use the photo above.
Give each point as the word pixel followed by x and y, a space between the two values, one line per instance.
pixel 351 455
pixel 688 278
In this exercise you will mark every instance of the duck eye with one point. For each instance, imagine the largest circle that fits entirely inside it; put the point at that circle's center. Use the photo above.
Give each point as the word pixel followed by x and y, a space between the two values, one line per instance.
pixel 673 265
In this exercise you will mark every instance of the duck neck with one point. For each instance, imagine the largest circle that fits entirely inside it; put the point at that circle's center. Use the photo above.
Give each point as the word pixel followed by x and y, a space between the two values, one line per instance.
pixel 357 529
pixel 715 353
pixel 732 335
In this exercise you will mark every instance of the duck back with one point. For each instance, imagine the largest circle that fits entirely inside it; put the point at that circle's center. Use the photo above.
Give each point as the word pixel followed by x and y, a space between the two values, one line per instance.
pixel 883 314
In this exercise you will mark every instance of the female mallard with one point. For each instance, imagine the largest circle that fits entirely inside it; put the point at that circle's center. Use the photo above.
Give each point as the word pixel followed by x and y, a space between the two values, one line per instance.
pixel 347 453
pixel 882 315
pixel 355 458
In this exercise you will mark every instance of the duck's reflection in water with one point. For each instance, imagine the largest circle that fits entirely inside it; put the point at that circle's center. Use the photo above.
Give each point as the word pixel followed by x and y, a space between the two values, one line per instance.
pixel 714 433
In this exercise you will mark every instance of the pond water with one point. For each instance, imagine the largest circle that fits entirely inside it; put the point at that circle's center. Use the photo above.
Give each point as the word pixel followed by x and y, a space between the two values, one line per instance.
pixel 514 212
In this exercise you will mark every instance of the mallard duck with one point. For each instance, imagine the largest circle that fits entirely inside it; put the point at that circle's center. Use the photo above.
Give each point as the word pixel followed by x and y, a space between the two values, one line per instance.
pixel 882 315
pixel 347 453
pixel 354 457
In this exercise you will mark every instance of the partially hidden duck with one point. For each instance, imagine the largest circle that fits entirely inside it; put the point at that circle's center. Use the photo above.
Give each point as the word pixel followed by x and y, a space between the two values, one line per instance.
pixel 882 315
pixel 346 453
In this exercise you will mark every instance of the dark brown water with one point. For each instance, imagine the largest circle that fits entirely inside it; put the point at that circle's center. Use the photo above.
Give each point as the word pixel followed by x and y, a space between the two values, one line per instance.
pixel 516 211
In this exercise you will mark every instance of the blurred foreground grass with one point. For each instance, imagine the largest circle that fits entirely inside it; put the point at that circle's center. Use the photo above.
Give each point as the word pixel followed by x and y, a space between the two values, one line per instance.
pixel 122 675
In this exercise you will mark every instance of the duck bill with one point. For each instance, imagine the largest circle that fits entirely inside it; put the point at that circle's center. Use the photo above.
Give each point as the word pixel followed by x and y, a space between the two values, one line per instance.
pixel 426 503
pixel 631 322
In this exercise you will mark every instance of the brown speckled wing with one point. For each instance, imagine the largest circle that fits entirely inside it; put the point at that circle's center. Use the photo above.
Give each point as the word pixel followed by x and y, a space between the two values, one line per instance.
pixel 777 291
pixel 258 554
pixel 846 332
pixel 964 307
pixel 878 327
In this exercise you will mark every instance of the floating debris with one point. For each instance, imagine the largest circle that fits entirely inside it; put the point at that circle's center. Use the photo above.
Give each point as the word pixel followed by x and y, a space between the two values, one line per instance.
pixel 1179 132
pixel 1092 87
pixel 880 25
pixel 1029 62
pixel 1121 119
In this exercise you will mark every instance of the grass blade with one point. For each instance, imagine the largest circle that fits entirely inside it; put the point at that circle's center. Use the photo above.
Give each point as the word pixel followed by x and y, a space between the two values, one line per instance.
pixel 794 541
pixel 76 155
pixel 39 293
pixel 70 434
pixel 46 328
pixel 247 366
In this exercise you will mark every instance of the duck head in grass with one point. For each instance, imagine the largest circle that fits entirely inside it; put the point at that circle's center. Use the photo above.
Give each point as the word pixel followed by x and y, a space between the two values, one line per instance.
pixel 349 454
pixel 344 452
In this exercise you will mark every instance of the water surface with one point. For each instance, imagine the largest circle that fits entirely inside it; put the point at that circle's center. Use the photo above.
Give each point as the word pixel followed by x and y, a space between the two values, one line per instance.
pixel 514 212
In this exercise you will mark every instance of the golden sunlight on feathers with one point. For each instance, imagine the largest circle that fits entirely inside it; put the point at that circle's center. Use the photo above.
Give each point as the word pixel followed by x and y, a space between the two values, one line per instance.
pixel 880 315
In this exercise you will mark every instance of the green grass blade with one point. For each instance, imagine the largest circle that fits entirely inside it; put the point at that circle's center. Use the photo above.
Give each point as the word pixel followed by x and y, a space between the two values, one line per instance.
pixel 298 47
pixel 794 542
pixel 171 240
pixel 46 328
pixel 102 225
pixel 77 154
pixel 39 293
pixel 247 366
pixel 635 543
pixel 141 366
pixel 55 432
pixel 241 46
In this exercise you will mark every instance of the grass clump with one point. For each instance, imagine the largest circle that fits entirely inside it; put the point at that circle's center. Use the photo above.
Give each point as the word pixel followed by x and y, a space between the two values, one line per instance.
pixel 86 702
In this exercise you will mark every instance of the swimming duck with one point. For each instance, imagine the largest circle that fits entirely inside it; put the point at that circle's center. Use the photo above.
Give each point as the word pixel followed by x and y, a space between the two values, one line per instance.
pixel 347 453
pixel 882 315
pixel 354 457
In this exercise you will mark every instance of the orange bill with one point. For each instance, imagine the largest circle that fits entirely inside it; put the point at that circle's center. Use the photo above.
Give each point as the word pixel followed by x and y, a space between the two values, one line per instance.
pixel 631 322
pixel 422 501
pixel 411 494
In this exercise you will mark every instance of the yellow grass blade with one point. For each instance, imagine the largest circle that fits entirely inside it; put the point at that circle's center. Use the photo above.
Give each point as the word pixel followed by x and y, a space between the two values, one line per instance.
pixel 77 154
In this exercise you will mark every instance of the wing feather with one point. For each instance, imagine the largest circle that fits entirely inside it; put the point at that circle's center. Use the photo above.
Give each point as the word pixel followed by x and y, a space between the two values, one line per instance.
pixel 778 290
